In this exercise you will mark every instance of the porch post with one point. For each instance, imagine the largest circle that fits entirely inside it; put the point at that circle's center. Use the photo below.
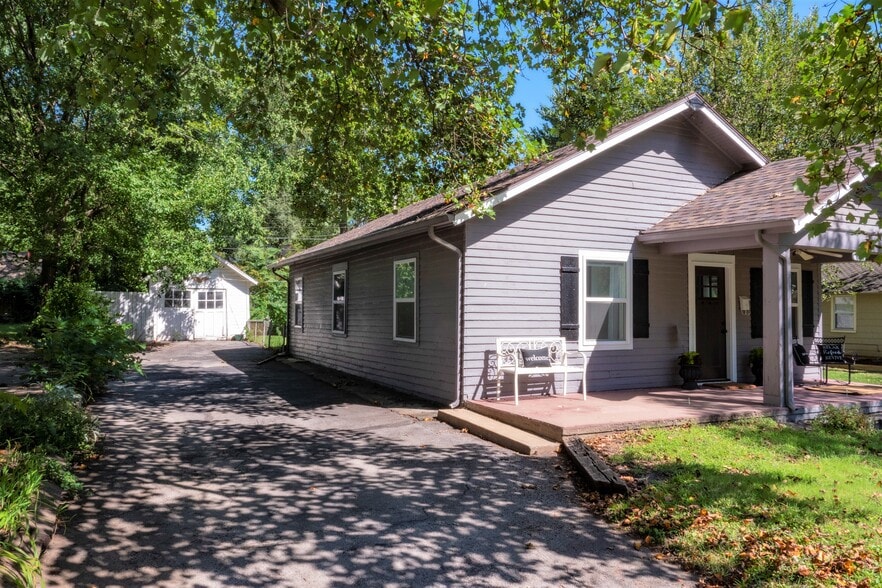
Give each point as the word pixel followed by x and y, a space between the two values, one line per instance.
pixel 777 352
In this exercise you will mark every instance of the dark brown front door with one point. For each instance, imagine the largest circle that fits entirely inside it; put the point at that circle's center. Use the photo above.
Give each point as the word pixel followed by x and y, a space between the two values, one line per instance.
pixel 710 321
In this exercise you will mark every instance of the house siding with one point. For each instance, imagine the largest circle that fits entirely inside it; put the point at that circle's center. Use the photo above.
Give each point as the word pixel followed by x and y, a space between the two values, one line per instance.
pixel 512 262
pixel 426 368
pixel 865 340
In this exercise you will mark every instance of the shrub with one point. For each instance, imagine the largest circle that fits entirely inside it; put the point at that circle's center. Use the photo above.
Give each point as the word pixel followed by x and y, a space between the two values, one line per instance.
pixel 54 422
pixel 78 343
pixel 20 476
pixel 845 419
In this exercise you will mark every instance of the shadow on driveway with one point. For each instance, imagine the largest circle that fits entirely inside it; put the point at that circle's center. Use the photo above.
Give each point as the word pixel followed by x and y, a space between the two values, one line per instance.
pixel 219 472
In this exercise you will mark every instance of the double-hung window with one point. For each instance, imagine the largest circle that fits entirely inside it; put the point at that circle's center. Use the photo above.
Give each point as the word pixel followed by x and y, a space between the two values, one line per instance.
pixel 404 317
pixel 605 287
pixel 844 313
pixel 338 299
pixel 298 301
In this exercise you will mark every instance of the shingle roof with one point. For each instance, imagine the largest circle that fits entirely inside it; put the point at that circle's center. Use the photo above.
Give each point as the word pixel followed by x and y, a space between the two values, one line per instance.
pixel 858 277
pixel 439 206
pixel 761 197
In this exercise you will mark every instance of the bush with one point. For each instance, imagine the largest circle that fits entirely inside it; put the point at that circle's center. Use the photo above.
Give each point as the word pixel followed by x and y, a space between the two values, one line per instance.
pixel 843 419
pixel 78 344
pixel 54 422
pixel 20 476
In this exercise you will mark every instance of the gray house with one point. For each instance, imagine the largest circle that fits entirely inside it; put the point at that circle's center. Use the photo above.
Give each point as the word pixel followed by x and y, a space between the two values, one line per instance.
pixel 674 233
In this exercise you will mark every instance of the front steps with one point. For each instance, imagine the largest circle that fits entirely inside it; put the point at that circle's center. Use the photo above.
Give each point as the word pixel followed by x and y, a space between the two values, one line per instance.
pixel 497 432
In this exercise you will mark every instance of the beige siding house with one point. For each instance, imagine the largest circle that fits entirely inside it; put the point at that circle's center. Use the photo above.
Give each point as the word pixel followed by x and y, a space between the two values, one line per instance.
pixel 853 307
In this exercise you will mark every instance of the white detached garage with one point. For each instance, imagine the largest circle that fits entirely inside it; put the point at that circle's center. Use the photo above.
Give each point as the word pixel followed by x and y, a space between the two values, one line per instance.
pixel 211 305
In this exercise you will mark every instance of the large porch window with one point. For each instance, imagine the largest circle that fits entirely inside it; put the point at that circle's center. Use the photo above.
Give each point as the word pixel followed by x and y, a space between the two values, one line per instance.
pixel 605 294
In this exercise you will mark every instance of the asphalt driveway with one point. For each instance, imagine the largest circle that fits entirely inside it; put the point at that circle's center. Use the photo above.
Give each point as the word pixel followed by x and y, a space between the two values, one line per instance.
pixel 221 472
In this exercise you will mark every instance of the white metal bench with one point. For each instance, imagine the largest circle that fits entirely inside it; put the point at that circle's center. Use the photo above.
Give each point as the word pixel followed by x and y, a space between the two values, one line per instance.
pixel 510 359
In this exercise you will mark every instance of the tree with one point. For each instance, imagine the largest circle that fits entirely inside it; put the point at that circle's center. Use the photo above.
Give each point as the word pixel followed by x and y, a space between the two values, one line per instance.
pixel 103 177
pixel 750 79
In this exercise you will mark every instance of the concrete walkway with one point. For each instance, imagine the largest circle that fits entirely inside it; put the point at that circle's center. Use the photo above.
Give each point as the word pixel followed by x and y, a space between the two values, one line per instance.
pixel 220 472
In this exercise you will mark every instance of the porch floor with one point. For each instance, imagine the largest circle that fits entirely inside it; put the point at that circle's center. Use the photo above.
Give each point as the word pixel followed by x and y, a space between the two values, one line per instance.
pixel 556 417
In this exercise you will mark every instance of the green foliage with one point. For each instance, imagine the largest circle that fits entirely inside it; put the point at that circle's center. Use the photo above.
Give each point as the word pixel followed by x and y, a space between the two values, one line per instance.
pixel 54 422
pixel 689 358
pixel 749 78
pixel 78 343
pixel 757 503
pixel 755 356
pixel 843 419
pixel 21 474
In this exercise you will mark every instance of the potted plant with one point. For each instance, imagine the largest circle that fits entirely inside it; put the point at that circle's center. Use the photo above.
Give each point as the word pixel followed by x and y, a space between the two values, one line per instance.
pixel 755 359
pixel 690 369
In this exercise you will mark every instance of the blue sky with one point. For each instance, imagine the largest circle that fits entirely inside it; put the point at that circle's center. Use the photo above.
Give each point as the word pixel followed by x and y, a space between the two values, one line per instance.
pixel 534 88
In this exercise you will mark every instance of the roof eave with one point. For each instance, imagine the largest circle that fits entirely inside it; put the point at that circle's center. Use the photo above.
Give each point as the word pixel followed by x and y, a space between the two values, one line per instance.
pixel 693 234
pixel 692 102
pixel 236 270
pixel 396 232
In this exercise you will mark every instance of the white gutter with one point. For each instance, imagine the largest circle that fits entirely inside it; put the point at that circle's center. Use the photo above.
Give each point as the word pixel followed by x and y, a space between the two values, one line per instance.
pixel 834 202
pixel 787 344
pixel 459 330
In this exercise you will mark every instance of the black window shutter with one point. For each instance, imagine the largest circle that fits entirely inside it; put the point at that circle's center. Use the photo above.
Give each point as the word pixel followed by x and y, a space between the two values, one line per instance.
pixel 756 302
pixel 641 298
pixel 569 297
pixel 808 303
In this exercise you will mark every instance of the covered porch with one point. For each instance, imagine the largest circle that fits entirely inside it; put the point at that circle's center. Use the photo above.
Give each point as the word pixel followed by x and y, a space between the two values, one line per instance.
pixel 760 217
pixel 556 417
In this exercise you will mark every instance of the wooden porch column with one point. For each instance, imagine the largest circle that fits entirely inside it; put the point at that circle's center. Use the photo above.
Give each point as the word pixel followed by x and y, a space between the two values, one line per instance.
pixel 777 350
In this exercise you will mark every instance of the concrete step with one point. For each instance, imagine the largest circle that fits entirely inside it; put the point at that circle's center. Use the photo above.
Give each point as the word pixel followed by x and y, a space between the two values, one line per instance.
pixel 498 432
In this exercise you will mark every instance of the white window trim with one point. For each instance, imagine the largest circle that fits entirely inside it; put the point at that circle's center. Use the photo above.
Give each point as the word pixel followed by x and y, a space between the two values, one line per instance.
pixel 168 296
pixel 396 300
pixel 833 313
pixel 213 295
pixel 796 268
pixel 594 344
pixel 336 270
pixel 298 290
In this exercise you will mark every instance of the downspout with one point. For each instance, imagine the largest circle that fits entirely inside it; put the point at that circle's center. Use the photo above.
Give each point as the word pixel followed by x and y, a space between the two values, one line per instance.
pixel 459 330
pixel 787 364
pixel 287 281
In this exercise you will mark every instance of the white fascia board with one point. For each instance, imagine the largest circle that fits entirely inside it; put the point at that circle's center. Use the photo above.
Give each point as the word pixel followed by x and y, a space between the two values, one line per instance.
pixel 735 137
pixel 715 232
pixel 575 160
pixel 236 270
pixel 838 198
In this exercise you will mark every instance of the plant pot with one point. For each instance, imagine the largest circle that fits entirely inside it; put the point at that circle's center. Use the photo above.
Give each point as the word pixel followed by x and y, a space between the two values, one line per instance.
pixel 756 368
pixel 690 374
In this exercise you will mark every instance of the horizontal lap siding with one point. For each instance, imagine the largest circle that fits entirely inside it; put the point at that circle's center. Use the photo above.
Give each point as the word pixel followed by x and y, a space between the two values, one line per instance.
pixel 865 341
pixel 512 265
pixel 426 368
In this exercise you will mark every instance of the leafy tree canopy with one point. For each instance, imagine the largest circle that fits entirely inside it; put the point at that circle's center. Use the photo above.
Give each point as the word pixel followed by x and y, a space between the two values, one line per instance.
pixel 141 135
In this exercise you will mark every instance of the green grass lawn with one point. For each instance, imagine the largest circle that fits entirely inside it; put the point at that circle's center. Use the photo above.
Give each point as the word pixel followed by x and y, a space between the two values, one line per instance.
pixel 757 503
pixel 857 375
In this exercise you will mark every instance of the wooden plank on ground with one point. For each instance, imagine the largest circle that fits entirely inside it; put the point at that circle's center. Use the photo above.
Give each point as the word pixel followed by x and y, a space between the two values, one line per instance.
pixel 596 471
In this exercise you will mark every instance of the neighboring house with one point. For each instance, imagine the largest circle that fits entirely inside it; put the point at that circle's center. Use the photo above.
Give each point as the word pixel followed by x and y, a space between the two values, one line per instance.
pixel 212 305
pixel 674 233
pixel 853 309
